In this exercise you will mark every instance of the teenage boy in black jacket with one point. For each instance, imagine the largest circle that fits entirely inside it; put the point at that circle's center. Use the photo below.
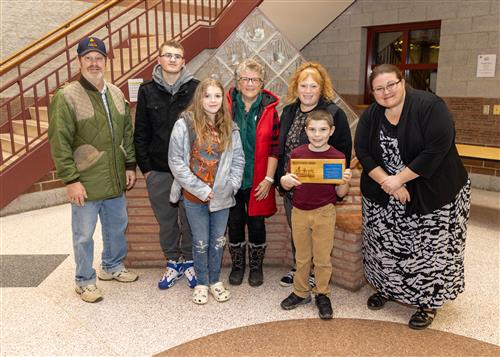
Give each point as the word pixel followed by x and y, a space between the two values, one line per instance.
pixel 159 103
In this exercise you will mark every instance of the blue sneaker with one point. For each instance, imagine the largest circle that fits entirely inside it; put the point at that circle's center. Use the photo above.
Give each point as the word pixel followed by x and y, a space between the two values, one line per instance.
pixel 190 274
pixel 173 273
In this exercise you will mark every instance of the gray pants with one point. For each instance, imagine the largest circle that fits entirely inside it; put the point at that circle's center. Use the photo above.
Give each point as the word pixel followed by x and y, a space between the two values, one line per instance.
pixel 175 234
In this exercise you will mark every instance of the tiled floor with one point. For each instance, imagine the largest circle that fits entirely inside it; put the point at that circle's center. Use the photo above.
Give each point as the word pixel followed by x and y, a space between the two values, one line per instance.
pixel 139 320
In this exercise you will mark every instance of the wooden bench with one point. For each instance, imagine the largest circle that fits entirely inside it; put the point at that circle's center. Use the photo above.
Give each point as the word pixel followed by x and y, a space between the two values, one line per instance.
pixel 479 152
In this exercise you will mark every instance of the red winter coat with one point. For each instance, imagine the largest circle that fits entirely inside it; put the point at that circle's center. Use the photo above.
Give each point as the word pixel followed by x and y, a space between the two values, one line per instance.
pixel 267 127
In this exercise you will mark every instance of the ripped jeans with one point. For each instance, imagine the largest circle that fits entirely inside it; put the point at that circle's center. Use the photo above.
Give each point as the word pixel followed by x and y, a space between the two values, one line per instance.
pixel 208 230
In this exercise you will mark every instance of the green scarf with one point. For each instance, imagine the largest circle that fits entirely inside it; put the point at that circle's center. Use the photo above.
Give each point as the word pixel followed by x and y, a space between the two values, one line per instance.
pixel 247 122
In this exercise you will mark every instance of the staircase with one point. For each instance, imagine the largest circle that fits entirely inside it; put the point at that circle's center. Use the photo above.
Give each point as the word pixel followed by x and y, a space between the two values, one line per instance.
pixel 132 31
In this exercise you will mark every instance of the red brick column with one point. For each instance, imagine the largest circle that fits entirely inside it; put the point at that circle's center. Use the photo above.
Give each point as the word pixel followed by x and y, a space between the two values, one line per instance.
pixel 347 257
pixel 142 233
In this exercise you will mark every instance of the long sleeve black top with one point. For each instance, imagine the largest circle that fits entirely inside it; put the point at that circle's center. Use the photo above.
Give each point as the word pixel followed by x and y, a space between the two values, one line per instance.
pixel 426 141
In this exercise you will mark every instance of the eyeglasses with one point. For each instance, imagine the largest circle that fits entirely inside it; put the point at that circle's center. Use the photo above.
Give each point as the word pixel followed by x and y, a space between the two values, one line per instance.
pixel 91 59
pixel 390 87
pixel 172 55
pixel 253 80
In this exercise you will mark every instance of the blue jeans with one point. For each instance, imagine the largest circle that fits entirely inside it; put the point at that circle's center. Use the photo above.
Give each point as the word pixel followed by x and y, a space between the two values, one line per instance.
pixel 113 215
pixel 208 230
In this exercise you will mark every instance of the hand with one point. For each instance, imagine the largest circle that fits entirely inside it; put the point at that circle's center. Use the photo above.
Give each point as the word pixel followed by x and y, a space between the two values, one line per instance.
pixel 347 176
pixel 130 176
pixel 402 195
pixel 76 193
pixel 262 190
pixel 391 183
pixel 289 181
pixel 210 196
pixel 146 175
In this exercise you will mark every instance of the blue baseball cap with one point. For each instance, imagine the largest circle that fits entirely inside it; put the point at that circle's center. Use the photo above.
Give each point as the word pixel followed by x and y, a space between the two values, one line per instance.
pixel 89 44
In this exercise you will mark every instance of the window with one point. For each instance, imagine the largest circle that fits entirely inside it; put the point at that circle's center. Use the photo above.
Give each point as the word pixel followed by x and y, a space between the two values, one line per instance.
pixel 413 47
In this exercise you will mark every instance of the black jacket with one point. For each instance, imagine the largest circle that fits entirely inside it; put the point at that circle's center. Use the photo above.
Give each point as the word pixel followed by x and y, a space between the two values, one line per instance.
pixel 157 111
pixel 340 140
pixel 426 141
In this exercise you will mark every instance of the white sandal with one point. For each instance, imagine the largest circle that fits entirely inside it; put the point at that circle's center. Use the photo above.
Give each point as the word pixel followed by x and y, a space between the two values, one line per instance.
pixel 219 292
pixel 200 294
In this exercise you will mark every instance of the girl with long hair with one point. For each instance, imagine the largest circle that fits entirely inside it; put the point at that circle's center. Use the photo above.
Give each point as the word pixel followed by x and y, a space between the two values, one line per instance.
pixel 206 158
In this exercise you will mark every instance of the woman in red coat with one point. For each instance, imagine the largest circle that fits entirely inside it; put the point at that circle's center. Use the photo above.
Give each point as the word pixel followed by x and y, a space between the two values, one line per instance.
pixel 254 110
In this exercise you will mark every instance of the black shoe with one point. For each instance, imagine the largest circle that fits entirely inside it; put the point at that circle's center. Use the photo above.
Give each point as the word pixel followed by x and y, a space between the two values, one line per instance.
pixel 292 301
pixel 422 318
pixel 287 279
pixel 324 307
pixel 236 276
pixel 376 301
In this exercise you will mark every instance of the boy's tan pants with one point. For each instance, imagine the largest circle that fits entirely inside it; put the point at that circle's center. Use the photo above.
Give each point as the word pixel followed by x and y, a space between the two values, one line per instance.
pixel 313 232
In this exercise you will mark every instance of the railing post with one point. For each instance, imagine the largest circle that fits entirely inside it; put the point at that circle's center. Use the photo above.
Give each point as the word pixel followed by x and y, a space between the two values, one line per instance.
pixel 164 20
pixel 180 19
pixel 210 12
pixel 148 47
pixel 110 49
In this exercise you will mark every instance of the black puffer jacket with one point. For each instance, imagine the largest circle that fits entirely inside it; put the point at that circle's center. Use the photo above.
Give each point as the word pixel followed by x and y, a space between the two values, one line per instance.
pixel 157 112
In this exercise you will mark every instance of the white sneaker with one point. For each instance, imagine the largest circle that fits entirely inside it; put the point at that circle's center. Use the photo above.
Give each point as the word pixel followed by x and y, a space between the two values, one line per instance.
pixel 122 275
pixel 89 293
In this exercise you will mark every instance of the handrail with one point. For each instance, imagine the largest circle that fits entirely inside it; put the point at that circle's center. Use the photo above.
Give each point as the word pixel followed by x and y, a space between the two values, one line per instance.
pixel 132 37
pixel 27 84
pixel 34 48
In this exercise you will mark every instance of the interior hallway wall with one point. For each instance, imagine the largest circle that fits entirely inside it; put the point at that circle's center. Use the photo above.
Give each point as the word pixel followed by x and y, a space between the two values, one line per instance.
pixel 22 22
pixel 468 28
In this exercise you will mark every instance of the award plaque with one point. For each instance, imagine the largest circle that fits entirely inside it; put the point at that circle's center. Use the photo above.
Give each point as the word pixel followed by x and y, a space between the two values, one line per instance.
pixel 318 170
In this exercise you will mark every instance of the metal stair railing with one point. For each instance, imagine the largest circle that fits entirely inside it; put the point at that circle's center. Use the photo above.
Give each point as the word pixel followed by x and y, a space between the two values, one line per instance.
pixel 132 35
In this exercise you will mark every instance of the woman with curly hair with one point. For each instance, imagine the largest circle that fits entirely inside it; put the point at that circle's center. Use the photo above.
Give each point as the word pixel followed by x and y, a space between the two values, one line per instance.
pixel 309 88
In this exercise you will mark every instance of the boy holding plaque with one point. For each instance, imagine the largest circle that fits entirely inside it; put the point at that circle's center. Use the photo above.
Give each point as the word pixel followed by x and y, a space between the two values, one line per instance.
pixel 313 213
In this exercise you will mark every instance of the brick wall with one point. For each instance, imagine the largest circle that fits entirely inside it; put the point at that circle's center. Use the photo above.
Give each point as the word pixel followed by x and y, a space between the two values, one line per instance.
pixel 472 126
pixel 483 167
pixel 46 183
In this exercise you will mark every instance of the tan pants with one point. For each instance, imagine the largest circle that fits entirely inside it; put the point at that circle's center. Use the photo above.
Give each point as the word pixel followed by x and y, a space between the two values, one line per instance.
pixel 312 233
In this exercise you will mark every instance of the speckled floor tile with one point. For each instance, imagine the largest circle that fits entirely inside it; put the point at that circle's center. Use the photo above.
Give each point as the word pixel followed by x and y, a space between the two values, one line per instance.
pixel 33 325
pixel 138 319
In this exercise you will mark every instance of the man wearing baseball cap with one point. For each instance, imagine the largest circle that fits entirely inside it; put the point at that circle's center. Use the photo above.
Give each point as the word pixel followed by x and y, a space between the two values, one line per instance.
pixel 91 139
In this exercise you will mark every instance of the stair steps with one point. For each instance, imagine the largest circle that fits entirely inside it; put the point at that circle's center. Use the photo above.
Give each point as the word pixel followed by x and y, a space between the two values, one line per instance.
pixel 31 127
pixel 18 135
pixel 5 139
pixel 42 111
